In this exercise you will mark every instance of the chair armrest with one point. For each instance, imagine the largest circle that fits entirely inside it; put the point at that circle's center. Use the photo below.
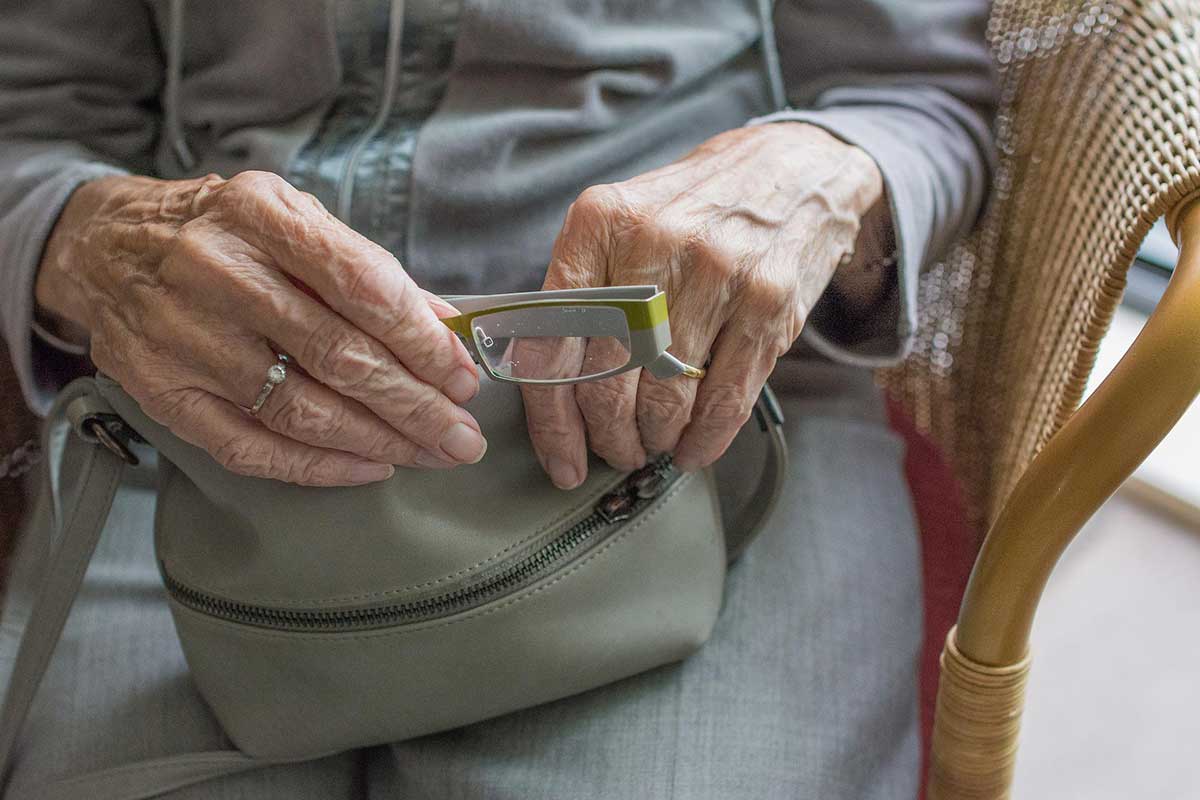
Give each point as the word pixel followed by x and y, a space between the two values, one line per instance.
pixel 1085 462
pixel 985 662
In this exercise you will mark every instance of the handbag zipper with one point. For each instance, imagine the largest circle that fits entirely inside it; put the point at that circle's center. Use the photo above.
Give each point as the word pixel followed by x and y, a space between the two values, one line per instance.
pixel 628 499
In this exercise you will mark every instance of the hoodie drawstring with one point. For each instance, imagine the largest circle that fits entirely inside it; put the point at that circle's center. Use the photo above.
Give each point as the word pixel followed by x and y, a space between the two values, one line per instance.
pixel 171 121
pixel 391 79
pixel 770 54
pixel 345 197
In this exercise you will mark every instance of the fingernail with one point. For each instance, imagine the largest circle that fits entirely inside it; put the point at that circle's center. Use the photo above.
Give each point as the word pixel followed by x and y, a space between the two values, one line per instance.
pixel 370 472
pixel 563 473
pixel 440 307
pixel 463 443
pixel 433 461
pixel 462 386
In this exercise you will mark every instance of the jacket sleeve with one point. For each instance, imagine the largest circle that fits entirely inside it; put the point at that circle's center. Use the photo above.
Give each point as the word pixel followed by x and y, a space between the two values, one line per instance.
pixel 79 87
pixel 910 82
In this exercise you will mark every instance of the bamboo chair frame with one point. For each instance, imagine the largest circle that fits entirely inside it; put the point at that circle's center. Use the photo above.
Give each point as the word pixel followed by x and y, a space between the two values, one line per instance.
pixel 1099 136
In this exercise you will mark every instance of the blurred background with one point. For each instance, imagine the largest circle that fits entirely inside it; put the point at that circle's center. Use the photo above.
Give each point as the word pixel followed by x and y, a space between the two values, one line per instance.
pixel 1114 690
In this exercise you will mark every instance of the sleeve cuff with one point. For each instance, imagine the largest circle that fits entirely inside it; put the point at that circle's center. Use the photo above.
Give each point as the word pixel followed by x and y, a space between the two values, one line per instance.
pixel 24 231
pixel 886 338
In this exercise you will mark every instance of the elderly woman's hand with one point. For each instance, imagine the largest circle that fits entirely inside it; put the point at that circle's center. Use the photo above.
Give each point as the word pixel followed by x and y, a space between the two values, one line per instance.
pixel 744 234
pixel 187 289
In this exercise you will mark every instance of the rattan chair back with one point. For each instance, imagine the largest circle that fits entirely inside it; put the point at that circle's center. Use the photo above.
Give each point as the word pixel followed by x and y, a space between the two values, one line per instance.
pixel 1097 131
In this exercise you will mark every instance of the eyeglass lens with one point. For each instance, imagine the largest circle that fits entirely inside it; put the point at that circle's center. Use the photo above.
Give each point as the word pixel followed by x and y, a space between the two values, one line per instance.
pixel 553 343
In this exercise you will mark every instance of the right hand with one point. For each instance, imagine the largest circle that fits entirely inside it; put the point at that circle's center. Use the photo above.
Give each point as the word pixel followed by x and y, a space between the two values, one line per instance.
pixel 187 288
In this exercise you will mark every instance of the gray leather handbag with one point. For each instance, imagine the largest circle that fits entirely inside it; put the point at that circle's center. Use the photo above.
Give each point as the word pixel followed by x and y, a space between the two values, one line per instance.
pixel 319 620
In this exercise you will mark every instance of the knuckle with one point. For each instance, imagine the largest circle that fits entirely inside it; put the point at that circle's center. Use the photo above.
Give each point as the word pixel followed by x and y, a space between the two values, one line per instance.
pixel 602 198
pixel 595 214
pixel 191 258
pixel 546 422
pixel 422 418
pixel 723 407
pixel 343 359
pixel 768 295
pixel 248 454
pixel 249 194
pixel 140 386
pixel 387 448
pixel 551 435
pixel 605 401
pixel 664 229
pixel 299 417
pixel 662 410
pixel 713 261
pixel 159 325
pixel 310 470
pixel 423 351
pixel 168 407
pixel 269 303
pixel 105 357
pixel 365 283
pixel 191 244
pixel 352 282
pixel 257 181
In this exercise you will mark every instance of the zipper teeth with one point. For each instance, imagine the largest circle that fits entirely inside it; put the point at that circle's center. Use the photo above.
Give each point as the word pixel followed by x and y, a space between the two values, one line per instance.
pixel 518 574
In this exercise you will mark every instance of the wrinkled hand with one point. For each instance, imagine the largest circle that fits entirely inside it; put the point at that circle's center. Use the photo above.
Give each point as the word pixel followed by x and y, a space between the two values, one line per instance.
pixel 187 289
pixel 743 234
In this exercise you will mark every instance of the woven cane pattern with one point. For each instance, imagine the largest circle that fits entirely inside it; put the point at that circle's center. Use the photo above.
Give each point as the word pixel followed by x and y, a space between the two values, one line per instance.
pixel 1099 135
pixel 974 747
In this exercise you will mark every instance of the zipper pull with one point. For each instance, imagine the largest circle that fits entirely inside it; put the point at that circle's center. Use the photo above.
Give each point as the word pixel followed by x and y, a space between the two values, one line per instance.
pixel 647 483
pixel 643 484
pixel 616 506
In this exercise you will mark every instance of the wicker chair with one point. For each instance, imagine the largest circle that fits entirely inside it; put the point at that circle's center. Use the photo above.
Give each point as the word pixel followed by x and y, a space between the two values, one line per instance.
pixel 1099 136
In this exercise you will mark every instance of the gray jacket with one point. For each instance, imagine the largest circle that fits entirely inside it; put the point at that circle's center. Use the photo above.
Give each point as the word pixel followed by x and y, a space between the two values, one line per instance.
pixel 545 97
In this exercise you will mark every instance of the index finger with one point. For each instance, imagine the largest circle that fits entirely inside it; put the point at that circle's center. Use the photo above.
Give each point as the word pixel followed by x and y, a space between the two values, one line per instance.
pixel 355 277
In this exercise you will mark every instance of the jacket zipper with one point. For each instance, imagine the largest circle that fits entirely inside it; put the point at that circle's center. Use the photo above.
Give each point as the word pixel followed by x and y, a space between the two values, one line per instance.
pixel 632 496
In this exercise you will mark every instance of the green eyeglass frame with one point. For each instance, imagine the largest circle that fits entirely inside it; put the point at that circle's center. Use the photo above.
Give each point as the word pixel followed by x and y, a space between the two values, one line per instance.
pixel 637 315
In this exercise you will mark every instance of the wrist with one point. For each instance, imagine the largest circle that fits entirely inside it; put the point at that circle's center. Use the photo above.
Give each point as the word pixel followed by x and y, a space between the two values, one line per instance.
pixel 856 170
pixel 863 274
pixel 58 306
pixel 63 304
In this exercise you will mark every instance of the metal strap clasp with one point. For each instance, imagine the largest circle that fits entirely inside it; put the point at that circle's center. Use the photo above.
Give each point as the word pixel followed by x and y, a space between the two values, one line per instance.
pixel 112 432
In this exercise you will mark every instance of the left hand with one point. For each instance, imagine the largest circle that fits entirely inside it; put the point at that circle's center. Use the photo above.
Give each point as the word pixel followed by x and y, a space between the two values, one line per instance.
pixel 743 234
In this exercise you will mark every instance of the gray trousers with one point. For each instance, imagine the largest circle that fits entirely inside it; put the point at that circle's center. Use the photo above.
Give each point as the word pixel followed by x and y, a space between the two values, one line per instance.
pixel 807 689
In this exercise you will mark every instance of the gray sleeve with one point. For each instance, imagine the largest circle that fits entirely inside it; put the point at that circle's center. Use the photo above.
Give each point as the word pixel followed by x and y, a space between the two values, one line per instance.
pixel 910 83
pixel 79 89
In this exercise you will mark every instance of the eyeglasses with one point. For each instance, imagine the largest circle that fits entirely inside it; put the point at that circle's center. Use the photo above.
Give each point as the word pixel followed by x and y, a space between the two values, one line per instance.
pixel 568 336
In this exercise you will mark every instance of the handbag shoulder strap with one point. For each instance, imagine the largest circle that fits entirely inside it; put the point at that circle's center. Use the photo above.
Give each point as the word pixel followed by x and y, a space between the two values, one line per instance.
pixel 744 527
pixel 76 522
pixel 84 431
pixel 74 530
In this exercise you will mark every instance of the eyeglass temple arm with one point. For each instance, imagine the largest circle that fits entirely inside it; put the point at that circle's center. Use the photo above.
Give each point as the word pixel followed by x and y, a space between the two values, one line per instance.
pixel 475 302
pixel 668 366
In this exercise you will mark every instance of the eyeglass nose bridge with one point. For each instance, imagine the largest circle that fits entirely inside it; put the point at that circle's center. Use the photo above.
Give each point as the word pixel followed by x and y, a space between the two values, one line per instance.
pixel 482 336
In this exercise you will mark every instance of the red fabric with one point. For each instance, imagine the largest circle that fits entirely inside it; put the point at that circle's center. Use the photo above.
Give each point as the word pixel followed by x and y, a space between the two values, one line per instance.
pixel 947 553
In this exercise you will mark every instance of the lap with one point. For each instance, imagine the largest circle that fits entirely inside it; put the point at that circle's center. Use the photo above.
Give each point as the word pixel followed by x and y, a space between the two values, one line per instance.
pixel 807 687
